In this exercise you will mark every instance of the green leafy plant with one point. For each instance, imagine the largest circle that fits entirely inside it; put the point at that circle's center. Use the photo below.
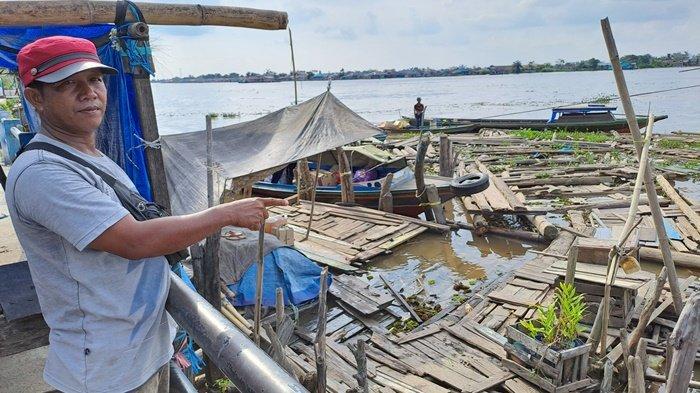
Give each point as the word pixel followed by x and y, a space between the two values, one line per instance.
pixel 557 325
pixel 223 385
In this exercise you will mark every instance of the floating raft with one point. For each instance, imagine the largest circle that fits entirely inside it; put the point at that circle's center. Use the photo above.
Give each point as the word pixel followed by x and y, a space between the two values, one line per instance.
pixel 347 237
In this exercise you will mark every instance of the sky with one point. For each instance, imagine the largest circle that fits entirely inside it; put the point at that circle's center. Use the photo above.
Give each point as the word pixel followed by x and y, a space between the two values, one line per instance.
pixel 382 34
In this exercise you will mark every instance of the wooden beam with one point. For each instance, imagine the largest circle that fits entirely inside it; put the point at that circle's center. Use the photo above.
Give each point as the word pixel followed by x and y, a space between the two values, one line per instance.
pixel 347 193
pixel 683 344
pixel 88 12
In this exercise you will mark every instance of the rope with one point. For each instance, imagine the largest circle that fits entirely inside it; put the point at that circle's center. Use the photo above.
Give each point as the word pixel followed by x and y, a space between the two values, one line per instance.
pixel 614 97
pixel 429 204
pixel 144 144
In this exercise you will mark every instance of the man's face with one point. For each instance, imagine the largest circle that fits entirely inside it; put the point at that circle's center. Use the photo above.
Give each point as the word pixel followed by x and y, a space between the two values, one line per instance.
pixel 74 105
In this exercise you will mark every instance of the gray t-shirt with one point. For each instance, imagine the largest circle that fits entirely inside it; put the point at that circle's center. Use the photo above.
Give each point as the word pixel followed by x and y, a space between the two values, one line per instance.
pixel 109 327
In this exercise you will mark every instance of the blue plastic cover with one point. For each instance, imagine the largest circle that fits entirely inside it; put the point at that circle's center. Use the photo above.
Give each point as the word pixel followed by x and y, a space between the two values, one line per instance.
pixel 286 268
pixel 120 135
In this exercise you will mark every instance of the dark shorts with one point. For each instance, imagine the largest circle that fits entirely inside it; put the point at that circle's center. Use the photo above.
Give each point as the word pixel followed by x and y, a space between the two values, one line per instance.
pixel 158 383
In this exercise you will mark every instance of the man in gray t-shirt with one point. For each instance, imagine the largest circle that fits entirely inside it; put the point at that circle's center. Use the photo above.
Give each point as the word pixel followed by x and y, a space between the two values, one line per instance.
pixel 100 275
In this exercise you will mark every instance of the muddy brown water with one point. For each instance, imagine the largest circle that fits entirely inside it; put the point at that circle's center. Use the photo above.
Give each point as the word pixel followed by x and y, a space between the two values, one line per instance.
pixel 432 263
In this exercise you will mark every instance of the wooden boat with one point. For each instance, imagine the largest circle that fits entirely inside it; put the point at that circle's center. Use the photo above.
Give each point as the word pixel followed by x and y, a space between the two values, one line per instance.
pixel 584 118
pixel 403 186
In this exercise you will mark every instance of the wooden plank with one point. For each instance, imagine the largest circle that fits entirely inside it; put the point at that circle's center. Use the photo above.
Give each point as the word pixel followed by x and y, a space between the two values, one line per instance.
pixel 529 284
pixel 430 330
pixel 414 383
pixel 670 192
pixel 477 341
pixel 362 288
pixel 517 385
pixel 529 376
pixel 489 382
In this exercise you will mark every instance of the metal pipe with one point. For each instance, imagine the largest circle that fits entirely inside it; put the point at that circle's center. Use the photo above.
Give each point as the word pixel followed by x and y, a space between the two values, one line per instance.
pixel 247 366
pixel 178 381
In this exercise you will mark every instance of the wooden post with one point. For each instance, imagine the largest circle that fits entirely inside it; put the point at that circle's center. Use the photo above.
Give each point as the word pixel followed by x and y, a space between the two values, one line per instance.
pixel 420 175
pixel 279 307
pixel 86 12
pixel 361 359
pixel 294 68
pixel 571 263
pixel 257 315
pixel 446 161
pixel 320 341
pixel 434 204
pixel 313 197
pixel 197 255
pixel 346 191
pixel 656 214
pixel 304 180
pixel 683 344
pixel 386 199
pixel 147 120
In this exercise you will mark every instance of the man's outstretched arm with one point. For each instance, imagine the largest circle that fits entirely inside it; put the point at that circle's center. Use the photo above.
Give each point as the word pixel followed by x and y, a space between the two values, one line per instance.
pixel 133 239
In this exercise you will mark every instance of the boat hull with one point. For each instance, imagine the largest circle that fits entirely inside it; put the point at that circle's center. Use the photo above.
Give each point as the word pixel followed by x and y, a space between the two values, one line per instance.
pixel 460 126
pixel 404 198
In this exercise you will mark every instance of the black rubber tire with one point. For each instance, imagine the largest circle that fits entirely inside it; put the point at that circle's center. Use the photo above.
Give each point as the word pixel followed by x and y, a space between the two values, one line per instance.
pixel 469 184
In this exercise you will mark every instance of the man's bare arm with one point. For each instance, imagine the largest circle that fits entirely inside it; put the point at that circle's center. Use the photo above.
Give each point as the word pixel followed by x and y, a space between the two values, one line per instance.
pixel 133 239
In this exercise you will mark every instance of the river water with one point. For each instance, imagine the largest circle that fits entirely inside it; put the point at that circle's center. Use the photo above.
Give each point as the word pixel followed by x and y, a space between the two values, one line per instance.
pixel 182 107
pixel 432 263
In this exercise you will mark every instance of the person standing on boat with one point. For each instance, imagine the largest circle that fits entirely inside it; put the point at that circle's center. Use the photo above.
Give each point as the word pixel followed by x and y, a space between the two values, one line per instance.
pixel 418 111
pixel 100 275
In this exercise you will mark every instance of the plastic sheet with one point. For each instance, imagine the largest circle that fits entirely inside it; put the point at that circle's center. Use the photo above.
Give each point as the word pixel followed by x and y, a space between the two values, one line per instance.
pixel 287 135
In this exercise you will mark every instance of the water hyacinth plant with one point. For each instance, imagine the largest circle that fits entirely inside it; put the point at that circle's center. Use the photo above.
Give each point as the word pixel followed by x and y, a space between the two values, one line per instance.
pixel 557 325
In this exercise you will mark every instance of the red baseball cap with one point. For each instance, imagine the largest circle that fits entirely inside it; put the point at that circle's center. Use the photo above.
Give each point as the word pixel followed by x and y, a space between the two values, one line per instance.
pixel 52 59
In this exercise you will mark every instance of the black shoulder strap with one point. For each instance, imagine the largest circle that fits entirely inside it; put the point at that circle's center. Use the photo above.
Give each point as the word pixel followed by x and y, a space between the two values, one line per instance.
pixel 51 148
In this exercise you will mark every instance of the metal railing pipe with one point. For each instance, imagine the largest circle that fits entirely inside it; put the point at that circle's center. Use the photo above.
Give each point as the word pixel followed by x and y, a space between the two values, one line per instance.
pixel 246 365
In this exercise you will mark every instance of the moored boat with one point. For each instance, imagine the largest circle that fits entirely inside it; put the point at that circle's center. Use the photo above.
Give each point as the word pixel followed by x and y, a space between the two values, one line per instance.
pixel 583 118
pixel 371 160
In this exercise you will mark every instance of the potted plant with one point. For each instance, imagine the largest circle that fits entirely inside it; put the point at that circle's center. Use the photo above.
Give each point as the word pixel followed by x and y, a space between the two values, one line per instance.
pixel 547 349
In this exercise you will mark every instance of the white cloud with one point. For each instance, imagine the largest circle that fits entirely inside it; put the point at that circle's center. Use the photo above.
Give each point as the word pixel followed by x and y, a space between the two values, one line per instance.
pixel 362 34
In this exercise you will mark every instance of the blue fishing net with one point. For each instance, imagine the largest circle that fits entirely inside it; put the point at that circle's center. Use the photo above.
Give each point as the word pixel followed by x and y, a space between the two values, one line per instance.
pixel 120 135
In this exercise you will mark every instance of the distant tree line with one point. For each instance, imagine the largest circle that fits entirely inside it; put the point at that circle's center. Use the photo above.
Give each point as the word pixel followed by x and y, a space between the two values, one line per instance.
pixel 677 59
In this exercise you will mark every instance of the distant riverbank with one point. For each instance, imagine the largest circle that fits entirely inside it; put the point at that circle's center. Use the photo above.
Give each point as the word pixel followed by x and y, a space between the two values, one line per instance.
pixel 629 62
pixel 181 107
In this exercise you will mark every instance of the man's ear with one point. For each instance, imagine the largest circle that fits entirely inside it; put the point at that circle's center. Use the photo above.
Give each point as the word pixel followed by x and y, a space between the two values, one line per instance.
pixel 35 98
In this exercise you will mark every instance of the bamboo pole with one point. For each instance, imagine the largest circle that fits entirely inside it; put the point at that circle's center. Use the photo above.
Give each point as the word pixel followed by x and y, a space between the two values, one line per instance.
pixel 320 340
pixel 88 12
pixel 600 335
pixel 294 69
pixel 258 284
pixel 656 214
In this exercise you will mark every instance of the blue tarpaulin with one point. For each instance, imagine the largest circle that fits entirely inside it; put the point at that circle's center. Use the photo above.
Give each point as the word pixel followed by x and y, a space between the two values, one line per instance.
pixel 286 268
pixel 120 135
